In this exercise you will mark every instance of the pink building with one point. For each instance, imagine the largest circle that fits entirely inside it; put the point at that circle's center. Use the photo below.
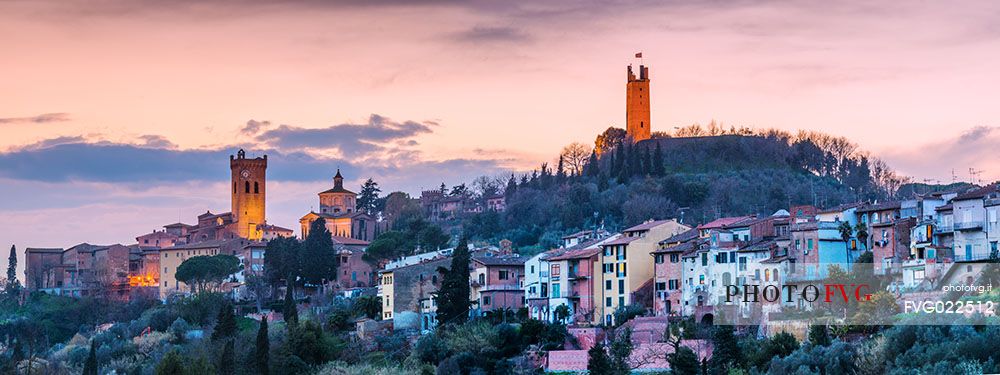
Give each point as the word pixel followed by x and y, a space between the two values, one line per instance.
pixel 579 266
pixel 352 269
pixel 667 268
pixel 497 282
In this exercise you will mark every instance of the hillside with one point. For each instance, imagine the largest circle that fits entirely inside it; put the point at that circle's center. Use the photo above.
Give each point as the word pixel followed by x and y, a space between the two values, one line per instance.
pixel 696 178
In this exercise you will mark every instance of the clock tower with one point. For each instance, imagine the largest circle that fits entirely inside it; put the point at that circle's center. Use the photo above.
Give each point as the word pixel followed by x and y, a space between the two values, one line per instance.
pixel 249 177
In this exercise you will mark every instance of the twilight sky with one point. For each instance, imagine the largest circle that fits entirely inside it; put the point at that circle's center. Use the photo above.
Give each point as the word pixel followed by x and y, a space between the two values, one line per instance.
pixel 117 116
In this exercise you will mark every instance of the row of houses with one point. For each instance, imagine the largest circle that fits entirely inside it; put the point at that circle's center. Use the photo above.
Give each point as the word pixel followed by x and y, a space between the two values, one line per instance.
pixel 670 269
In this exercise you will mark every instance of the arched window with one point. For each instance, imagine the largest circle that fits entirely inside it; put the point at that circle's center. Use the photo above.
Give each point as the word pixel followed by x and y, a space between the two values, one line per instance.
pixel 775 274
pixel 767 275
pixel 246 187
pixel 255 188
pixel 234 187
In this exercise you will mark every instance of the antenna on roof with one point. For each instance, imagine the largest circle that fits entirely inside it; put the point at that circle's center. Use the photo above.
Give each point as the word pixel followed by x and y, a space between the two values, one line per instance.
pixel 975 175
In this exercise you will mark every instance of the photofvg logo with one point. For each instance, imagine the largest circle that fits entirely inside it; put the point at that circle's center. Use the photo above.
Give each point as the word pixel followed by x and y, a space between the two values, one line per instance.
pixel 856 294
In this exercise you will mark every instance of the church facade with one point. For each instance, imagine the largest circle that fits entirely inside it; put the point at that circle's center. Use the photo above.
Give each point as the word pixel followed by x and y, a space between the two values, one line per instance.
pixel 338 207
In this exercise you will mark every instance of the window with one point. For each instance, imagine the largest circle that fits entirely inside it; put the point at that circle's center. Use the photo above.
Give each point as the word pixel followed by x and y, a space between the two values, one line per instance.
pixel 704 259
pixel 621 252
pixel 767 275
pixel 503 275
pixel 555 270
pixel 555 290
pixel 621 301
pixel 234 187
pixel 532 269
pixel 658 258
pixel 701 279
pixel 607 284
pixel 660 286
pixel 798 244
pixel 743 263
pixel 247 187
pixel 732 257
pixel 486 300
pixel 482 279
pixel 621 286
pixel 165 270
pixel 674 258
pixel 809 243
pixel 673 284
pixel 256 190
pixel 607 302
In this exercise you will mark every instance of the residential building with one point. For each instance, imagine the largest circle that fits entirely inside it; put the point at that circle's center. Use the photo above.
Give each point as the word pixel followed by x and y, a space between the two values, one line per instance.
pixel 407 293
pixel 668 271
pixel 497 282
pixel 627 262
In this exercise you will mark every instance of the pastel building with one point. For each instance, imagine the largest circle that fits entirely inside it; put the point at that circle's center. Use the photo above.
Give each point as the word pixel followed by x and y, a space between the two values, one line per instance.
pixel 627 266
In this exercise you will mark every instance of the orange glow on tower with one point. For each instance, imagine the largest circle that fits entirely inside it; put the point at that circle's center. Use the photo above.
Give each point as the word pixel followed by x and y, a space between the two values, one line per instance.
pixel 637 105
pixel 249 187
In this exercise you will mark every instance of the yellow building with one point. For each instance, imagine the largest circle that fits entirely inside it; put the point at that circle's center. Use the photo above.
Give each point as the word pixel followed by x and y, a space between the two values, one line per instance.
pixel 172 257
pixel 625 273
pixel 249 178
pixel 386 290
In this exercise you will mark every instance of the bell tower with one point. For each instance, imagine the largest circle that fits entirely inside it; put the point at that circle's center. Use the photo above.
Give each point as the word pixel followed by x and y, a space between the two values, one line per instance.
pixel 637 104
pixel 249 180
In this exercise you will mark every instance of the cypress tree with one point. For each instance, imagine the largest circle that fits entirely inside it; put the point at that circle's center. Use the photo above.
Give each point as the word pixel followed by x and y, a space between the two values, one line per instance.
pixel 289 310
pixel 13 285
pixel 593 168
pixel 225 325
pixel 598 362
pixel 227 365
pixel 647 161
pixel 560 171
pixel 263 348
pixel 453 297
pixel 90 366
pixel 318 261
pixel 726 353
pixel 171 364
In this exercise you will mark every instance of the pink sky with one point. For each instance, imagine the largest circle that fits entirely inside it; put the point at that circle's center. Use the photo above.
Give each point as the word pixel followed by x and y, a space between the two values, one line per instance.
pixel 915 82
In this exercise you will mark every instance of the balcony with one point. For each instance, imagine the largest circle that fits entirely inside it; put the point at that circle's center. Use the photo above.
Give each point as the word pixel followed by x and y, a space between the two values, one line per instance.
pixel 939 229
pixel 968 225
pixel 971 256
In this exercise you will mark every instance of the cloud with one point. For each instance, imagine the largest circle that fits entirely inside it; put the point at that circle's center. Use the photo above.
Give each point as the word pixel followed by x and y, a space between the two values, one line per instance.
pixel 40 119
pixel 348 140
pixel 485 34
pixel 974 148
pixel 156 141
pixel 253 127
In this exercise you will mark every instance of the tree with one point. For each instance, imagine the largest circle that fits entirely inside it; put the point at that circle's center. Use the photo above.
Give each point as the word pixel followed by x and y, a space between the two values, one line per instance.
pixel 171 364
pixel 862 232
pixel 726 353
pixel 370 306
pixel 227 364
pixel 225 324
pixel 846 232
pixel 13 286
pixel 561 170
pixel 263 350
pixel 621 351
pixel 576 155
pixel 289 311
pixel 318 260
pixel 562 313
pixel 207 272
pixel 657 164
pixel 819 335
pixel 683 361
pixel 90 366
pixel 453 296
pixel 598 362
pixel 609 140
pixel 281 258
pixel 368 197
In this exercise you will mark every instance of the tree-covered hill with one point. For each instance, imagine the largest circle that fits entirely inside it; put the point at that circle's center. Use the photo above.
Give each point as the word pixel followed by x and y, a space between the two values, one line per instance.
pixel 698 177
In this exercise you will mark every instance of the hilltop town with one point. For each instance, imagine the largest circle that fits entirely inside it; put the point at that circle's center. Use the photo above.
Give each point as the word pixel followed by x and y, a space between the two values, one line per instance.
pixel 361 277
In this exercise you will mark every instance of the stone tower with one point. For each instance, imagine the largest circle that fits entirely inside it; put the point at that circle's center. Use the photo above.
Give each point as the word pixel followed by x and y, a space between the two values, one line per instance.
pixel 249 186
pixel 637 105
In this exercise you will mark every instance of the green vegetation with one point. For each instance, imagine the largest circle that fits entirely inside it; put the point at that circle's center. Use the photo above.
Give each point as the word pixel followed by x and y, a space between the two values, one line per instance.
pixel 205 273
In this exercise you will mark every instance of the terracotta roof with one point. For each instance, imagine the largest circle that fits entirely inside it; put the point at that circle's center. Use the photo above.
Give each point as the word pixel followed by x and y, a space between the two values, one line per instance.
pixel 879 206
pixel 500 260
pixel 978 193
pixel 197 245
pixel 721 222
pixel 578 254
pixel 43 250
pixel 748 222
pixel 648 225
pixel 620 241
pixel 841 207
pixel 349 241
pixel 759 245
pixel 682 247
pixel 682 236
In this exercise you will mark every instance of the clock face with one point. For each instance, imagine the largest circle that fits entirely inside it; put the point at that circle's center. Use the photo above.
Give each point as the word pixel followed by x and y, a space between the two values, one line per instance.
pixel 245 173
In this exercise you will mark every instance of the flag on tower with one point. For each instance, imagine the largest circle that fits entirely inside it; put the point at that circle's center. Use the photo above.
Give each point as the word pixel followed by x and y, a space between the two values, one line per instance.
pixel 638 55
